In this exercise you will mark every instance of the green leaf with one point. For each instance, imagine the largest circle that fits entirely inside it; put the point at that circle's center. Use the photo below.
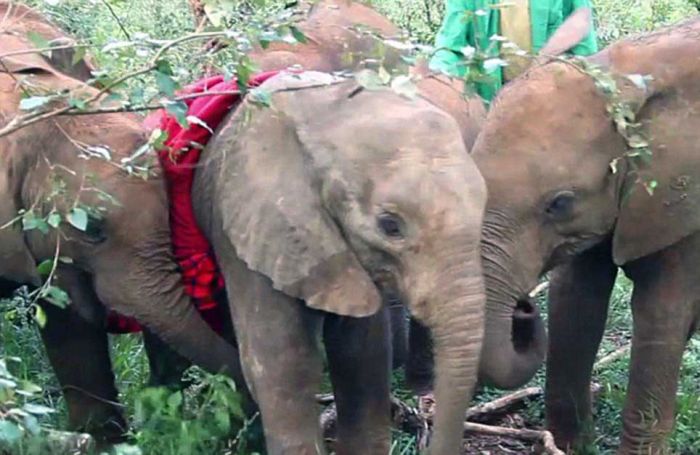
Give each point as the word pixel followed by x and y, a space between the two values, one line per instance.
pixel 30 388
pixel 54 220
pixel 404 86
pixel 166 84
pixel 493 64
pixel 44 269
pixel 179 110
pixel 38 40
pixel 30 222
pixel 384 75
pixel 77 103
pixel 56 296
pixel 32 424
pixel 78 218
pixel 261 96
pixel 40 316
pixel 369 79
pixel 163 66
pixel 78 55
pixel 650 186
pixel 37 409
pixel 298 34
pixel 9 432
pixel 244 70
pixel 175 400
pixel 33 102
pixel 7 383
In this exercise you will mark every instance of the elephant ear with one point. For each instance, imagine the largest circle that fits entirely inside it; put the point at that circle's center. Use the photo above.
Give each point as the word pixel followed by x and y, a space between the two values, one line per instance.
pixel 270 188
pixel 648 222
pixel 16 261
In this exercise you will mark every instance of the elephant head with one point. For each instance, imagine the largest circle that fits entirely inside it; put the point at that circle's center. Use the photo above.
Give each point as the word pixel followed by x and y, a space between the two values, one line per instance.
pixel 339 195
pixel 20 20
pixel 340 35
pixel 561 176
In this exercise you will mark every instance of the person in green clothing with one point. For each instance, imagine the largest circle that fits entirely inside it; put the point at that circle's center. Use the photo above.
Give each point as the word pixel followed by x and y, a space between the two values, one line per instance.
pixel 527 23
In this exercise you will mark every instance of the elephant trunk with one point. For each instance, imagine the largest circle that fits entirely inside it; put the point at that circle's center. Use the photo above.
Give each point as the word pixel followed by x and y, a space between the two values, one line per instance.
pixel 515 341
pixel 151 291
pixel 456 324
pixel 186 331
pixel 515 345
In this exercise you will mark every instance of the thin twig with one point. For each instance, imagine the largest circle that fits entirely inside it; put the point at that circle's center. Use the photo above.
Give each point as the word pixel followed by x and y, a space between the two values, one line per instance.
pixel 44 49
pixel 545 437
pixel 116 18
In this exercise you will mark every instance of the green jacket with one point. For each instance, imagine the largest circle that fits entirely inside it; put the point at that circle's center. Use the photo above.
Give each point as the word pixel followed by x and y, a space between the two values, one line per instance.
pixel 461 28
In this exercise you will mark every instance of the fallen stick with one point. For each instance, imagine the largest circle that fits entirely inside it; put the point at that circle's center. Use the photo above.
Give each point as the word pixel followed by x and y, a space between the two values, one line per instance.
pixel 502 404
pixel 508 402
pixel 611 357
pixel 540 288
pixel 545 437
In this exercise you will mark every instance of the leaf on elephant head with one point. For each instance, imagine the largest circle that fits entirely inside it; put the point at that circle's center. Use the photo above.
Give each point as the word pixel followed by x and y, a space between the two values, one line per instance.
pixel 369 79
pixel 78 218
pixel 404 86
pixel 33 102
pixel 78 55
pixel 298 34
pixel 38 40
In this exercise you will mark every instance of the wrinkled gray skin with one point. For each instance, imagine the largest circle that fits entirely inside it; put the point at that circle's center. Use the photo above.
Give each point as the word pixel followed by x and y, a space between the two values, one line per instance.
pixel 314 208
pixel 565 195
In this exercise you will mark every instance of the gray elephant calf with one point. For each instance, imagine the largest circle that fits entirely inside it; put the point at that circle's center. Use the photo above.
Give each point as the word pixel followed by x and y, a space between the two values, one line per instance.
pixel 581 210
pixel 317 206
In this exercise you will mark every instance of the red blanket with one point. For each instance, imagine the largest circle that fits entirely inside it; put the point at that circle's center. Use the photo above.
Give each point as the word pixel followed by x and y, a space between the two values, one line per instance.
pixel 178 159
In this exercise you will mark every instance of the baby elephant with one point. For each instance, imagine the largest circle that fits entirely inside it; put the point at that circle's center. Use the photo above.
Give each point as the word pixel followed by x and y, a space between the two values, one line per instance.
pixel 588 202
pixel 315 207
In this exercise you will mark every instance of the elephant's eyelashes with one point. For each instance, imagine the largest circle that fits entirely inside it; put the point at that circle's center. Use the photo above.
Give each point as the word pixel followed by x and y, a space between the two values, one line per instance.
pixel 561 206
pixel 390 225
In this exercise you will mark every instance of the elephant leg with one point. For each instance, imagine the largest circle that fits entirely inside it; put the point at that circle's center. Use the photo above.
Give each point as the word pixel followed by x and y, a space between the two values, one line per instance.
pixel 664 304
pixel 420 364
pixel 166 366
pixel 79 354
pixel 358 351
pixel 279 339
pixel 578 307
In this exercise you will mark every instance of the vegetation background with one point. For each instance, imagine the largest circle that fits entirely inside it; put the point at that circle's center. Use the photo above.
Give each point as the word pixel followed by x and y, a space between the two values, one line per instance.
pixel 206 417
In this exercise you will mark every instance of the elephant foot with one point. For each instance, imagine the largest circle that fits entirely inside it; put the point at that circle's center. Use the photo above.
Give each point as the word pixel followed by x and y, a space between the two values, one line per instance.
pixel 106 431
pixel 649 444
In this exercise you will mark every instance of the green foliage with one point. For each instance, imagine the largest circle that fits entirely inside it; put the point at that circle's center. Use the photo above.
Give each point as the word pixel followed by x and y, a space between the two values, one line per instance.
pixel 21 413
pixel 204 418
pixel 618 18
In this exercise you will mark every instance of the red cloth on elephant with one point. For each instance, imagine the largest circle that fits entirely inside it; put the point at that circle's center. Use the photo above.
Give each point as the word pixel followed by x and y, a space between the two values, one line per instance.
pixel 178 158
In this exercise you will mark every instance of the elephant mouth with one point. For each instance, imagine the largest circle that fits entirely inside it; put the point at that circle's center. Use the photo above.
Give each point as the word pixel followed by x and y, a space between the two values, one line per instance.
pixel 526 320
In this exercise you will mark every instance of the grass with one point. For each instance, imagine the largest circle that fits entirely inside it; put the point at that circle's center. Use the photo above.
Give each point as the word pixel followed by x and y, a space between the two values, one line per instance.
pixel 159 429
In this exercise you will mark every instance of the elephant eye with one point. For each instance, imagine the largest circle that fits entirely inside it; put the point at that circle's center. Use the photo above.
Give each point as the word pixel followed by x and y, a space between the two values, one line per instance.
pixel 390 225
pixel 561 206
